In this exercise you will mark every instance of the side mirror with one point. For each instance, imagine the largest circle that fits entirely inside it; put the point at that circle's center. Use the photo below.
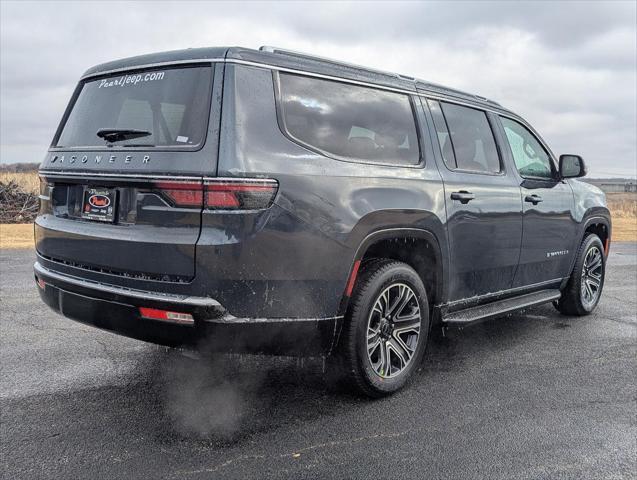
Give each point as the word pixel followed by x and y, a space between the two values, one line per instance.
pixel 572 166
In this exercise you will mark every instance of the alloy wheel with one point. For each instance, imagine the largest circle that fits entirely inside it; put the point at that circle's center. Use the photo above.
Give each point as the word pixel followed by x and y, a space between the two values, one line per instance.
pixel 592 272
pixel 393 330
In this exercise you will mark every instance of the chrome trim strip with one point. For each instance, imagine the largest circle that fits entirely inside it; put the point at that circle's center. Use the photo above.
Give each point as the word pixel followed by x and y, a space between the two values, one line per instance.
pixel 319 75
pixel 151 65
pixel 140 176
pixel 144 176
pixel 127 292
pixel 231 319
pixel 240 180
pixel 420 93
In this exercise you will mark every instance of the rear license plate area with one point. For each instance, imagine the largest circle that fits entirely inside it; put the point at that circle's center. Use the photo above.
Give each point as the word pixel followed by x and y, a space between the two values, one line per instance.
pixel 99 204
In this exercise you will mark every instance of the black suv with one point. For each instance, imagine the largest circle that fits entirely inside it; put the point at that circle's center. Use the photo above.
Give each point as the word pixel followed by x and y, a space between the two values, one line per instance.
pixel 275 202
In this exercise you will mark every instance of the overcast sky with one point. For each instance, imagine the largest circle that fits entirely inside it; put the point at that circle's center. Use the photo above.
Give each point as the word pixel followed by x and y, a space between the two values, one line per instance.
pixel 567 67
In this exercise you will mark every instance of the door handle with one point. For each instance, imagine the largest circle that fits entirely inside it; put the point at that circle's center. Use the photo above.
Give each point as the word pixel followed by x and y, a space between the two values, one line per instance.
pixel 463 196
pixel 534 199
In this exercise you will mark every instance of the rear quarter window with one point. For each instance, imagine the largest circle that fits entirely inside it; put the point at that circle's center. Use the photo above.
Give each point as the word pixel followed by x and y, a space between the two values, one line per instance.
pixel 349 122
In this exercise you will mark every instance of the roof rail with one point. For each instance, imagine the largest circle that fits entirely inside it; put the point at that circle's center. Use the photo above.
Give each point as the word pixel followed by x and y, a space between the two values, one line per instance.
pixel 454 92
pixel 294 53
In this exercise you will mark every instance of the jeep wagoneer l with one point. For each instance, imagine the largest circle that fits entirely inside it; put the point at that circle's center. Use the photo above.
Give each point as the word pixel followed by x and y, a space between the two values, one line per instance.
pixel 270 201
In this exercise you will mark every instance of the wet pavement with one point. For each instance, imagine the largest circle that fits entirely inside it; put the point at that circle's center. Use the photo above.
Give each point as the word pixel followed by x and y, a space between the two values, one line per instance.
pixel 533 395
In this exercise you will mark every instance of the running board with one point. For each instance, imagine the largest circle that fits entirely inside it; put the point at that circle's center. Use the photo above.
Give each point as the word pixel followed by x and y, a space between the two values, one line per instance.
pixel 468 316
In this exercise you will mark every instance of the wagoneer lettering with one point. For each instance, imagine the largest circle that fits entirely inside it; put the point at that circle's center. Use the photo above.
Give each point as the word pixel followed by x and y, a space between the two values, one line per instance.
pixel 300 206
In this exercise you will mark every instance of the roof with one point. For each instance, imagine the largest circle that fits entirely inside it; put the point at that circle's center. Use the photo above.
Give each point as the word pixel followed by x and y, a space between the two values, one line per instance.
pixel 296 61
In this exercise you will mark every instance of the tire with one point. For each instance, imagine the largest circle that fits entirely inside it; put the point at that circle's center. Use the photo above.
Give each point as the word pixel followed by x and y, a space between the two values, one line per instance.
pixel 580 296
pixel 395 289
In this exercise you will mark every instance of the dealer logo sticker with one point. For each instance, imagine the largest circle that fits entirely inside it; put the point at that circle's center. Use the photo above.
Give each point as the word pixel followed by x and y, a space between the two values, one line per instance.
pixel 99 201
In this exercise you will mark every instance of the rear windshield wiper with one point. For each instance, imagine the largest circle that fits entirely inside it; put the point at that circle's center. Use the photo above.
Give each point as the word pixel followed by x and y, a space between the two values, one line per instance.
pixel 118 134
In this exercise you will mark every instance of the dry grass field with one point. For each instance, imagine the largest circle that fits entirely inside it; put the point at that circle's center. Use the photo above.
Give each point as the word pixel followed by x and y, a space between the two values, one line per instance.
pixel 16 235
pixel 29 181
pixel 623 207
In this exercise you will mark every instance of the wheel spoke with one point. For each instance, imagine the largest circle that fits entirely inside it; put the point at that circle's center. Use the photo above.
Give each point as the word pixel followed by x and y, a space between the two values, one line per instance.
pixel 385 298
pixel 415 315
pixel 406 297
pixel 374 332
pixel 405 351
pixel 596 262
pixel 401 293
pixel 407 327
pixel 385 362
pixel 372 346
pixel 593 282
pixel 399 351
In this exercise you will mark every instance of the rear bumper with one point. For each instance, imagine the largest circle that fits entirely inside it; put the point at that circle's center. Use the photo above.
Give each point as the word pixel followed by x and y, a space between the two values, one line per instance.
pixel 116 309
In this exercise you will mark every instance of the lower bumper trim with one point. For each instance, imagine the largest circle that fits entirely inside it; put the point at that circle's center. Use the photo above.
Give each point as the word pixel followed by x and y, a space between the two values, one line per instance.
pixel 117 310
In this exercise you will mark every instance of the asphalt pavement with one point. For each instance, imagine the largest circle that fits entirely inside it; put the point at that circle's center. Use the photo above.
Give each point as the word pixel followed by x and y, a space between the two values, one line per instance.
pixel 533 395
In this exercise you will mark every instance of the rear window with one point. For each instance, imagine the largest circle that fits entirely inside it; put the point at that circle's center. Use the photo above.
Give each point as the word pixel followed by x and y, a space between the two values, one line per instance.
pixel 165 108
pixel 349 121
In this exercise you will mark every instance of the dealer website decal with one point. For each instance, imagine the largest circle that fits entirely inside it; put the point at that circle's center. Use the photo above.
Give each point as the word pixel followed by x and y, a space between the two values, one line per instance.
pixel 131 79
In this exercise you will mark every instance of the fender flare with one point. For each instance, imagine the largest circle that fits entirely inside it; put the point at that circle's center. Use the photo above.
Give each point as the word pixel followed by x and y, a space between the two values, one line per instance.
pixel 399 232
pixel 586 222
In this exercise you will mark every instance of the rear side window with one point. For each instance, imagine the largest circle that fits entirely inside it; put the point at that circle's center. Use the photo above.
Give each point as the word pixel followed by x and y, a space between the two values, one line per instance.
pixel 349 121
pixel 465 137
pixel 531 159
pixel 171 106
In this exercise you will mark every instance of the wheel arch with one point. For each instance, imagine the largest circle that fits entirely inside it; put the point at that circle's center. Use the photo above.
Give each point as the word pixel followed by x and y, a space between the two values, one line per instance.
pixel 395 243
pixel 601 226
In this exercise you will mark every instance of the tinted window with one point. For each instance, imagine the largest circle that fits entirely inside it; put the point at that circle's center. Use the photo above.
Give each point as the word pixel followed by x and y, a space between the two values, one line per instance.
pixel 171 104
pixel 349 121
pixel 531 159
pixel 443 134
pixel 472 139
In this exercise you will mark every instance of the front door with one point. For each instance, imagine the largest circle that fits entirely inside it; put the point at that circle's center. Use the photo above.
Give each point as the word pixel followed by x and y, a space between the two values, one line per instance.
pixel 548 225
pixel 484 211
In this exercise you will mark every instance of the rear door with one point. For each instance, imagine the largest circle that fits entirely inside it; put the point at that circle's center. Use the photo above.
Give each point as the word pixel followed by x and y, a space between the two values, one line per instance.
pixel 547 202
pixel 122 185
pixel 484 212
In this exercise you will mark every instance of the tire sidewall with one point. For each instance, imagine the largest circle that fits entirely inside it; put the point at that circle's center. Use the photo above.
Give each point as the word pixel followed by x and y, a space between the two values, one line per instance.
pixel 397 274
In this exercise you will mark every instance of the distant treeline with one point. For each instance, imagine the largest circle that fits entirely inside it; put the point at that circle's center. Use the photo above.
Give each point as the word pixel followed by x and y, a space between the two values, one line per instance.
pixel 608 180
pixel 19 167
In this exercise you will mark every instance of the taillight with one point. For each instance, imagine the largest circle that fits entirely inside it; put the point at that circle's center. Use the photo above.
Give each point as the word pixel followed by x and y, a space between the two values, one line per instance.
pixel 243 194
pixel 221 194
pixel 183 194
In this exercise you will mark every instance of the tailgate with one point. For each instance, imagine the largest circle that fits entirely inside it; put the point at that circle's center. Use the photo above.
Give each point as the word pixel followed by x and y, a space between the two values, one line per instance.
pixel 121 186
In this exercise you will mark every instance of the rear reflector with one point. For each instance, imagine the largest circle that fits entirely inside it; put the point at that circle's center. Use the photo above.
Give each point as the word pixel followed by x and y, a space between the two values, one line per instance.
pixel 166 316
pixel 352 278
pixel 41 283
pixel 221 194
